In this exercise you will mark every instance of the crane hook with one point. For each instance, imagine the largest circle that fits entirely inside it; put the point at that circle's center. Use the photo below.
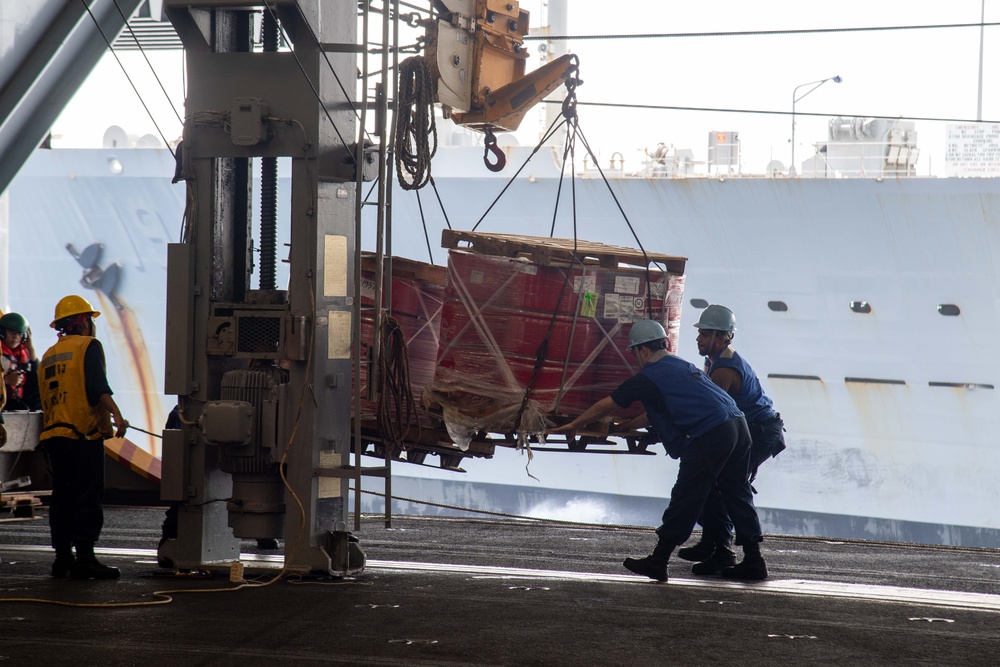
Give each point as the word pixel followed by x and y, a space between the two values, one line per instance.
pixel 491 147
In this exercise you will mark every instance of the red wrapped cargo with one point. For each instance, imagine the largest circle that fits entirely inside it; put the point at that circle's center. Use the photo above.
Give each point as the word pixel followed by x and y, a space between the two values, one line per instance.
pixel 500 307
pixel 417 291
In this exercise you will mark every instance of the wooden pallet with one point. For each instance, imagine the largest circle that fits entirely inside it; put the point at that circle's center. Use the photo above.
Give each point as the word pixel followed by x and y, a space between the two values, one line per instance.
pixel 429 441
pixel 592 438
pixel 22 505
pixel 546 251
pixel 409 269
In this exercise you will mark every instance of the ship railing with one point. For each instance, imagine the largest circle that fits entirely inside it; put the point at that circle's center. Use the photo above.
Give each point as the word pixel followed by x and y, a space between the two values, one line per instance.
pixel 871 159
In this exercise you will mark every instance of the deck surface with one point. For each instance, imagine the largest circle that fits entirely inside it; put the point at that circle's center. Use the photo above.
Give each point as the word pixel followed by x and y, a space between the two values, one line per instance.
pixel 443 591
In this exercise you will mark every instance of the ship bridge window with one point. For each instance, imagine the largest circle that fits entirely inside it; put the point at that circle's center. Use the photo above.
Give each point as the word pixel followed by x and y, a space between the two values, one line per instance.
pixel 699 303
pixel 949 310
pixel 861 307
pixel 778 306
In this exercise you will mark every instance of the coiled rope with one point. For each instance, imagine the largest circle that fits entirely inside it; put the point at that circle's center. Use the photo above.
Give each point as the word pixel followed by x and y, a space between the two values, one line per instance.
pixel 396 409
pixel 415 124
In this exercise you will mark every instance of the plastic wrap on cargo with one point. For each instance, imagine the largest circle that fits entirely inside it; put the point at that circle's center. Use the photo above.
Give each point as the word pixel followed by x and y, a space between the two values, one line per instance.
pixel 416 306
pixel 508 324
pixel 469 407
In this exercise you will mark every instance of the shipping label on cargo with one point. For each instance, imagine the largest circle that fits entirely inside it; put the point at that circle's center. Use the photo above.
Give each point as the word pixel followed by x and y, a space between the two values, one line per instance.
pixel 589 284
pixel 627 284
pixel 368 288
pixel 476 277
pixel 530 269
pixel 657 290
pixel 622 307
pixel 588 308
pixel 611 307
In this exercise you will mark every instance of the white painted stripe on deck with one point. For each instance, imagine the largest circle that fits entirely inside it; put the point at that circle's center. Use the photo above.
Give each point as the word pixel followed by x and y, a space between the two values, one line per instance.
pixel 915 596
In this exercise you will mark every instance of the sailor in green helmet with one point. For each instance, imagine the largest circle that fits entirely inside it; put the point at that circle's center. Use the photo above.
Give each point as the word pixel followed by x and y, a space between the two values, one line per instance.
pixel 19 363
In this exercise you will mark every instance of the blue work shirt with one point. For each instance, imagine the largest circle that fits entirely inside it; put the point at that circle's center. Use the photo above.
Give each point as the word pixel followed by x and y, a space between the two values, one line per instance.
pixel 681 402
pixel 750 398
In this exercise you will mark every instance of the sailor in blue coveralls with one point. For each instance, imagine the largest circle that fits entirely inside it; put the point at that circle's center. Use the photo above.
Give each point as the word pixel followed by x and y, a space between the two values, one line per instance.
pixel 698 423
pixel 734 375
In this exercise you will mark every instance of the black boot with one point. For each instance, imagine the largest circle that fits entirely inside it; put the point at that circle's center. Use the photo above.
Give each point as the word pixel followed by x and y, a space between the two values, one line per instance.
pixel 723 557
pixel 753 567
pixel 654 565
pixel 87 566
pixel 701 551
pixel 64 562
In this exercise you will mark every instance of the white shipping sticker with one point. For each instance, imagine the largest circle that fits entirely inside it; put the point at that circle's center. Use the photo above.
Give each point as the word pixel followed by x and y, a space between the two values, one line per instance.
pixel 619 307
pixel 657 289
pixel 611 306
pixel 368 288
pixel 530 269
pixel 625 312
pixel 589 284
pixel 626 284
pixel 476 277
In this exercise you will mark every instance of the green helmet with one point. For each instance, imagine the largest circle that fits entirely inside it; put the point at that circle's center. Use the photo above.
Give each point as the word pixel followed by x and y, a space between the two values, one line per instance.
pixel 14 322
pixel 644 331
pixel 717 318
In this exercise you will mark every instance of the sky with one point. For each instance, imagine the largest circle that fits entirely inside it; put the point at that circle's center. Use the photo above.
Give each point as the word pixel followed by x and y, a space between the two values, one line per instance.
pixel 912 73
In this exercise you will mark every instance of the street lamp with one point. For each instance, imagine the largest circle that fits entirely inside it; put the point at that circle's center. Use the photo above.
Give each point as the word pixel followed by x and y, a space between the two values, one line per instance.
pixel 796 98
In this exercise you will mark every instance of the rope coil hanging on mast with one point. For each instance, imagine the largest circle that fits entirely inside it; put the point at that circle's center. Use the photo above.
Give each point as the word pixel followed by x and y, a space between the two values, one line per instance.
pixel 415 124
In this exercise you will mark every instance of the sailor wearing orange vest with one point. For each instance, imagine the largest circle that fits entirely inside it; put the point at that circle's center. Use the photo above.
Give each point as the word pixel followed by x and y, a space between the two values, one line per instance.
pixel 78 412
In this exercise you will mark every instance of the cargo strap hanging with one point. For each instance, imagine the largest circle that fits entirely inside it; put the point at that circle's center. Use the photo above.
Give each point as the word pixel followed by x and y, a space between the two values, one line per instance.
pixel 541 353
pixel 396 407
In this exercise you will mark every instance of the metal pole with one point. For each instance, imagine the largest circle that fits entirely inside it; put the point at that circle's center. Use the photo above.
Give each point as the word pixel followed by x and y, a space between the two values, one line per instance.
pixel 359 158
pixel 835 79
pixel 982 21
pixel 791 167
